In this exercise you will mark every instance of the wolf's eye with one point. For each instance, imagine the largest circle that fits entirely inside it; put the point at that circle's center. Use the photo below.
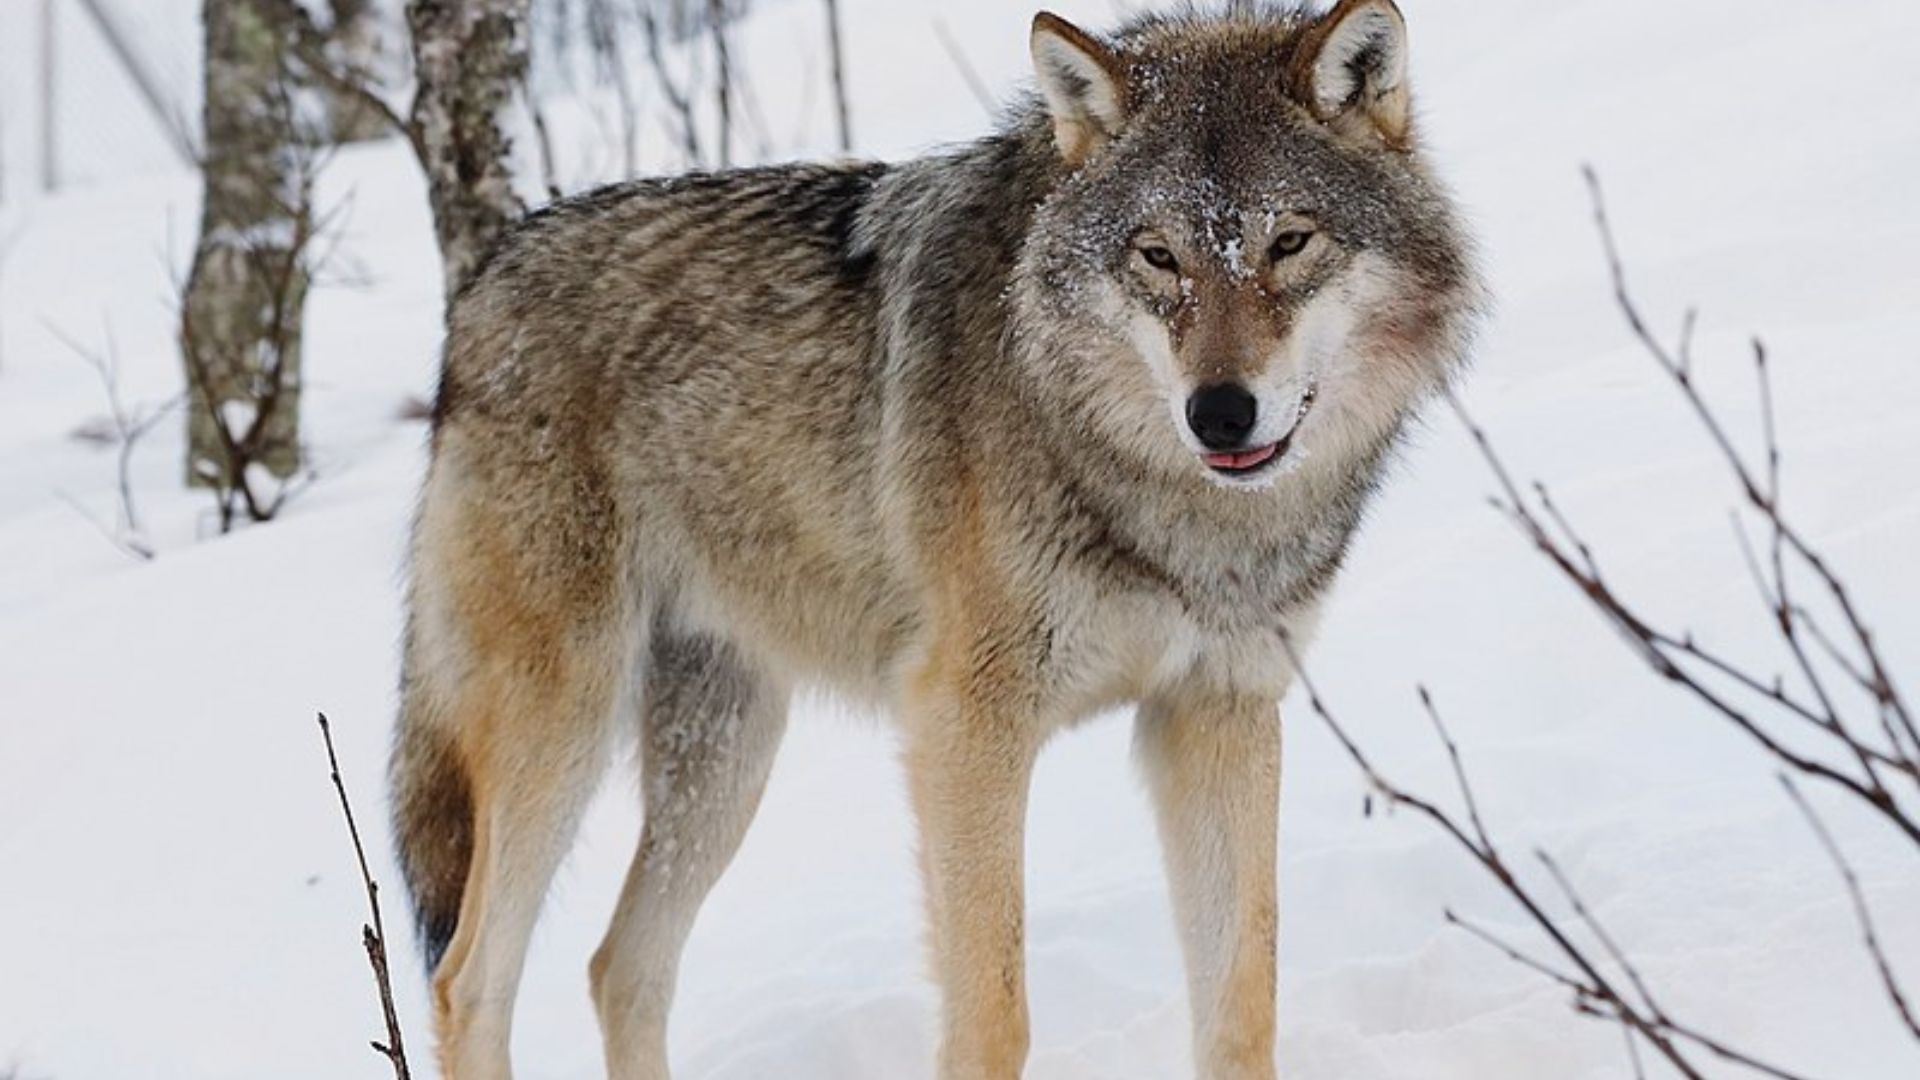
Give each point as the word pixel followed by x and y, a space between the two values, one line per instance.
pixel 1160 258
pixel 1289 243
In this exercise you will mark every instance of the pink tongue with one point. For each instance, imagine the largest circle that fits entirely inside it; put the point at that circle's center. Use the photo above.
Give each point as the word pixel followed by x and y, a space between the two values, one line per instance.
pixel 1244 460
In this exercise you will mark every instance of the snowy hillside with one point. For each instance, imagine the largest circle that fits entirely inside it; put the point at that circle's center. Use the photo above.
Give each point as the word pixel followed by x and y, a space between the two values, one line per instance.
pixel 177 898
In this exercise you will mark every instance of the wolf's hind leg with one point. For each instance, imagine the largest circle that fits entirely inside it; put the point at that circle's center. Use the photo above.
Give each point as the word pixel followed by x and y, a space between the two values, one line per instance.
pixel 1213 766
pixel 520 652
pixel 711 724
pixel 537 749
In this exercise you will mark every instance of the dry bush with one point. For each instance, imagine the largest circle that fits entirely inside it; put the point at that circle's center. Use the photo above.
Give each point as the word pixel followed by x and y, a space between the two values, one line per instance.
pixel 248 393
pixel 1833 719
pixel 121 428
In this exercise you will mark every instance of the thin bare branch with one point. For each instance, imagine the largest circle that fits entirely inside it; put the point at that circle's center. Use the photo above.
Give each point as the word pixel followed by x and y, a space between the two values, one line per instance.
pixel 1658 649
pixel 310 48
pixel 723 80
pixel 955 53
pixel 837 69
pixel 129 426
pixel 543 141
pixel 1513 952
pixel 677 96
pixel 1862 913
pixel 1633 1053
pixel 1459 769
pixel 373 936
pixel 1595 994
pixel 1599 931
pixel 1760 496
pixel 129 545
pixel 1754 704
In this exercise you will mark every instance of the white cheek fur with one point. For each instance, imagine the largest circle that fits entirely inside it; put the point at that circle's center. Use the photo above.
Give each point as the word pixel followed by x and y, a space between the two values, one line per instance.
pixel 1356 398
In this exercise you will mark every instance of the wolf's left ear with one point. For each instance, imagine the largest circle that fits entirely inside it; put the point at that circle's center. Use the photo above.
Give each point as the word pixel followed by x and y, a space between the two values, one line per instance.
pixel 1084 84
pixel 1352 66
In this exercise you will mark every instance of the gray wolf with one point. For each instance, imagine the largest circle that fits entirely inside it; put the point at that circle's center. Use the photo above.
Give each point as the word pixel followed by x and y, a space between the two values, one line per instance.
pixel 1081 415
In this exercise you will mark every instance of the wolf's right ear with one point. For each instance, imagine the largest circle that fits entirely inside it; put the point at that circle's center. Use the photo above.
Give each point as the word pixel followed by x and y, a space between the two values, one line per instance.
pixel 1084 84
pixel 1351 69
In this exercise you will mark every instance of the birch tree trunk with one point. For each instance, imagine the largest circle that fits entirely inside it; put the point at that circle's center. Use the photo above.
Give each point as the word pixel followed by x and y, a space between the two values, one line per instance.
pixel 470 58
pixel 241 315
pixel 354 45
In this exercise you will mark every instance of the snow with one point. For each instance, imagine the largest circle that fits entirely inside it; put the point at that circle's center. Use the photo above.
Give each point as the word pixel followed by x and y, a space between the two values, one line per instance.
pixel 178 896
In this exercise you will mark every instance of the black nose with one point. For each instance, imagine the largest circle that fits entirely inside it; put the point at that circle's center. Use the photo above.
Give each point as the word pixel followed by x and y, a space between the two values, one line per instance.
pixel 1222 416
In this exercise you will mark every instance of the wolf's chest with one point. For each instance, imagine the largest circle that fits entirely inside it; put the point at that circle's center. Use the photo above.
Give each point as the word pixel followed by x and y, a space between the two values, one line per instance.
pixel 1115 647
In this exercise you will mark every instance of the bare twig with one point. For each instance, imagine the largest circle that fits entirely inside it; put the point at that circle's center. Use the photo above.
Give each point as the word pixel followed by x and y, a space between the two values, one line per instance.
pixel 1669 653
pixel 1633 1054
pixel 1665 652
pixel 1595 994
pixel 960 62
pixel 1761 497
pixel 723 81
pixel 1881 770
pixel 676 95
pixel 543 140
pixel 128 427
pixel 7 242
pixel 837 65
pixel 311 49
pixel 1863 914
pixel 601 27
pixel 756 129
pixel 373 936
pixel 1459 769
pixel 126 544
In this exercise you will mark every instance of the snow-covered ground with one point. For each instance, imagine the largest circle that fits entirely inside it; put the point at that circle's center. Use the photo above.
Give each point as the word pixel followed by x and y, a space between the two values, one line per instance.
pixel 176 894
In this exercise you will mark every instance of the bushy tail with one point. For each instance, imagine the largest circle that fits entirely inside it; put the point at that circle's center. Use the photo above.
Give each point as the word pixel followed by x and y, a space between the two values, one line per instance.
pixel 432 825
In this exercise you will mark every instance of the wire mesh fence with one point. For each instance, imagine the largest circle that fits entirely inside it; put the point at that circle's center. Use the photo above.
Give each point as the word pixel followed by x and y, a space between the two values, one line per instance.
pixel 92 90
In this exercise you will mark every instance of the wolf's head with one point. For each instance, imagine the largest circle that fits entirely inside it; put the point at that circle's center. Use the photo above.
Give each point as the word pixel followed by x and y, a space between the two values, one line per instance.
pixel 1247 261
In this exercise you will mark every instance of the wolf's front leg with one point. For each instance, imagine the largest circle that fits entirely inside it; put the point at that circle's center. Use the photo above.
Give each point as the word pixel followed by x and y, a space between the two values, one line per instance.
pixel 969 757
pixel 1213 763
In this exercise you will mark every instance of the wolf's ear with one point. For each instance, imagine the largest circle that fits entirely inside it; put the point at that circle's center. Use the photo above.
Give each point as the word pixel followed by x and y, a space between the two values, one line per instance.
pixel 1352 67
pixel 1084 84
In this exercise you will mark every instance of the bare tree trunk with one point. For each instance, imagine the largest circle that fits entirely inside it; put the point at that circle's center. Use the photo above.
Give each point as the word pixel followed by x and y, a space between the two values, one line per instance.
pixel 470 56
pixel 354 45
pixel 241 315
pixel 839 77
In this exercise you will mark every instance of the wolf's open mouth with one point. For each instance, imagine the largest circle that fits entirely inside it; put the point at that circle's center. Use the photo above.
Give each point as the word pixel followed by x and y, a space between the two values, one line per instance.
pixel 1244 463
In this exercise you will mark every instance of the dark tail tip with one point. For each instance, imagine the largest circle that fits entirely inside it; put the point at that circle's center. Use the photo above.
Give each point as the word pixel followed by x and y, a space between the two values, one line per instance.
pixel 436 933
pixel 433 830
